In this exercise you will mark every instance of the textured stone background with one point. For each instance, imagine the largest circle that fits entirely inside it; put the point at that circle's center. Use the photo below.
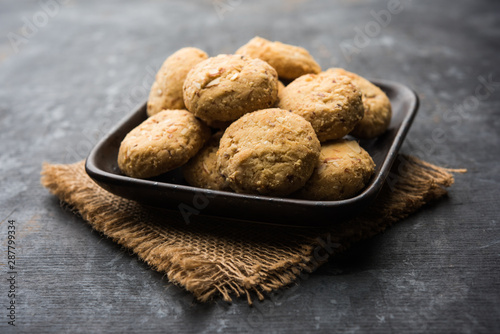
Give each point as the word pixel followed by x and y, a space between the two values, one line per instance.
pixel 87 64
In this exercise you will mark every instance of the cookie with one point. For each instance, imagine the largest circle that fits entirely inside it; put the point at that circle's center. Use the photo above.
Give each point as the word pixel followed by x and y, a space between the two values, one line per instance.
pixel 281 86
pixel 162 142
pixel 201 171
pixel 332 103
pixel 378 111
pixel 288 60
pixel 268 152
pixel 218 124
pixel 342 171
pixel 166 92
pixel 226 87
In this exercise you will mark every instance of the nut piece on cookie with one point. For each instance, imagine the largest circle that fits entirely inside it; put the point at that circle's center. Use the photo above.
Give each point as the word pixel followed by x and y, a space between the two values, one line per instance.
pixel 343 169
pixel 268 152
pixel 289 61
pixel 226 87
pixel 162 142
pixel 331 102
pixel 201 171
pixel 378 111
pixel 166 92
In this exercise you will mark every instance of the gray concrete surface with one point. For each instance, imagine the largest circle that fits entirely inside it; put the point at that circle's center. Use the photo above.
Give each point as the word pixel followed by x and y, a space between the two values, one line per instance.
pixel 77 67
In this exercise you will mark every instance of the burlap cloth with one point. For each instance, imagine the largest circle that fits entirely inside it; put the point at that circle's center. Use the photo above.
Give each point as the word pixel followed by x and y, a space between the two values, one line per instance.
pixel 213 257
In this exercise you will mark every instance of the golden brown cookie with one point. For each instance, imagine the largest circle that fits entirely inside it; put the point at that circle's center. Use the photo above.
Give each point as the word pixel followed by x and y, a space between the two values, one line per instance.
pixel 268 152
pixel 166 92
pixel 201 170
pixel 225 87
pixel 163 142
pixel 332 103
pixel 343 170
pixel 289 61
pixel 218 124
pixel 377 107
pixel 281 87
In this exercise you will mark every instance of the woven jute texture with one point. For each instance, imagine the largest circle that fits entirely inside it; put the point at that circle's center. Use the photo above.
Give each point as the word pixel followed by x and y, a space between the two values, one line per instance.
pixel 212 257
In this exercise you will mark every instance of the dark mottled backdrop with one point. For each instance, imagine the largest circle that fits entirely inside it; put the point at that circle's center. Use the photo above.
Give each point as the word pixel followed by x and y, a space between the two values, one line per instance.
pixel 69 70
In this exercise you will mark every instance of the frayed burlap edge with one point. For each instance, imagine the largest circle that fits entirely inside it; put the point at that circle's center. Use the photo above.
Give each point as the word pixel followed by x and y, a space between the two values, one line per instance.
pixel 210 258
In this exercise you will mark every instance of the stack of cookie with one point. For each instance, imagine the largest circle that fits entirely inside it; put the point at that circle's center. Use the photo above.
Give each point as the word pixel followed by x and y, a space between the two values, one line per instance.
pixel 232 125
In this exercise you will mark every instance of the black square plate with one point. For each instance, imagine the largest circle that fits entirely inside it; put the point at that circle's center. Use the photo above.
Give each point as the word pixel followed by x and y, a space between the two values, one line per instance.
pixel 170 191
